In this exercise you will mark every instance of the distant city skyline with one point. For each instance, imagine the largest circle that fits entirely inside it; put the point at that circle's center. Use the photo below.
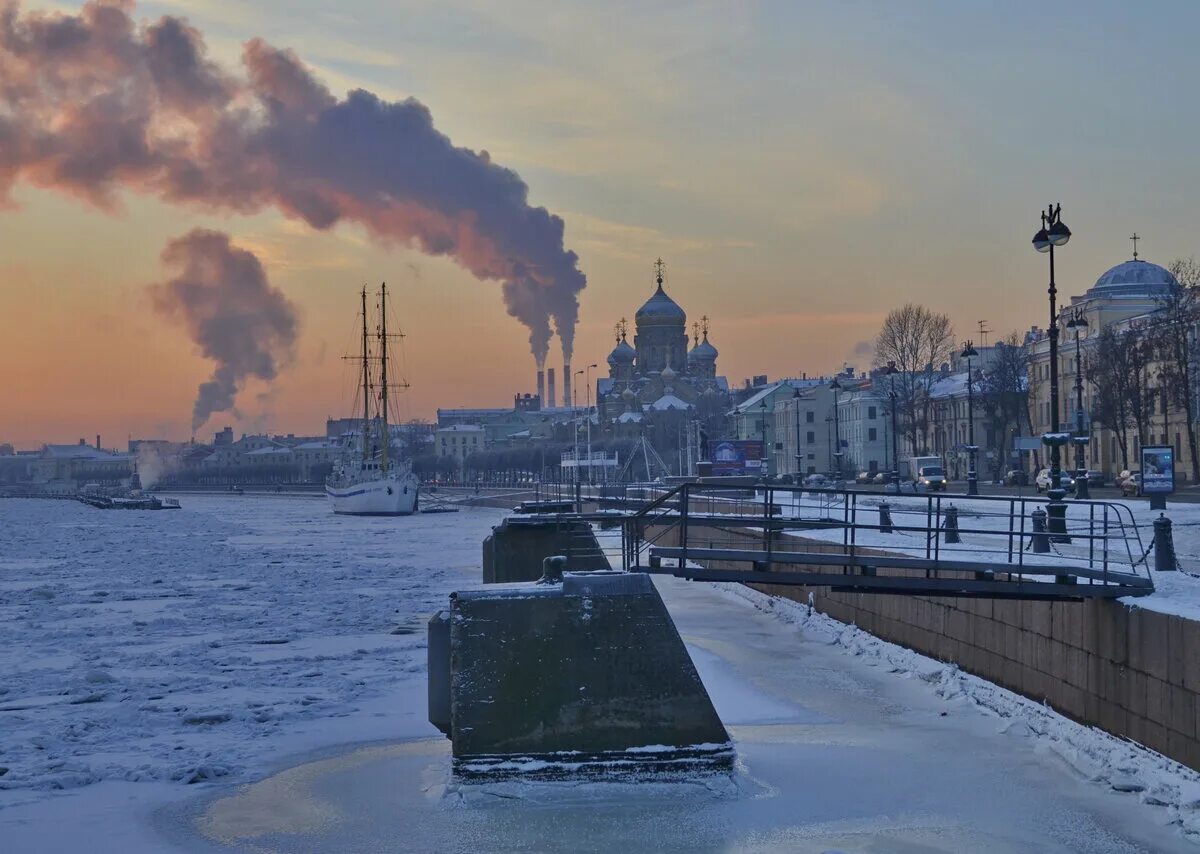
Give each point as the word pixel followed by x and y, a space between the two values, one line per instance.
pixel 801 169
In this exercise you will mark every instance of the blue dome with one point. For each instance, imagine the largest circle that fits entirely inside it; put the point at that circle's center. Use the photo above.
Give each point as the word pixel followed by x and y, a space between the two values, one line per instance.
pixel 622 354
pixel 660 308
pixel 1134 278
pixel 703 352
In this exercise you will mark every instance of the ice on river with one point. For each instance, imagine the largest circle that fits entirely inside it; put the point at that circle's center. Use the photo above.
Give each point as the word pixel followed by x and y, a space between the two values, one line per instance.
pixel 188 646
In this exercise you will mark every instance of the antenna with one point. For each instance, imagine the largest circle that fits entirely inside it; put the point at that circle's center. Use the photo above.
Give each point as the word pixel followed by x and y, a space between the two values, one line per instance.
pixel 983 331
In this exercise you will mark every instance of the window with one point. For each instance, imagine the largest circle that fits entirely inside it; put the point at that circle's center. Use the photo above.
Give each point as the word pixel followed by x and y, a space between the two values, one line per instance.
pixel 870 413
pixel 871 434
pixel 811 437
pixel 809 417
pixel 811 457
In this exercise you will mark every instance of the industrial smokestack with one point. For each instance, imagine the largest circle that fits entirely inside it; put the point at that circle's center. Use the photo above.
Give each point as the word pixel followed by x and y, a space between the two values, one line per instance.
pixel 550 387
pixel 566 383
pixel 542 388
pixel 97 441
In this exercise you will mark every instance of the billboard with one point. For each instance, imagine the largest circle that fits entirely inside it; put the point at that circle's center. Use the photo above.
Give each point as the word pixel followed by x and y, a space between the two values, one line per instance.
pixel 732 457
pixel 1158 470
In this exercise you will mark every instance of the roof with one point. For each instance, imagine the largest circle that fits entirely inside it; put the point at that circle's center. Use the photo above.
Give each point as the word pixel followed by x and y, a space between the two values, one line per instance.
pixel 461 428
pixel 1134 278
pixel 668 402
pixel 761 395
pixel 622 353
pixel 660 307
pixel 266 452
pixel 79 452
pixel 629 417
pixel 703 352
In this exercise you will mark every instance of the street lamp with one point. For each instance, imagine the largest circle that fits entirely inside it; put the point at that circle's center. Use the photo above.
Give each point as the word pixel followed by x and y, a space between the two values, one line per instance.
pixel 968 353
pixel 796 401
pixel 837 430
pixel 1077 323
pixel 587 392
pixel 575 406
pixel 891 372
pixel 1054 233
pixel 762 425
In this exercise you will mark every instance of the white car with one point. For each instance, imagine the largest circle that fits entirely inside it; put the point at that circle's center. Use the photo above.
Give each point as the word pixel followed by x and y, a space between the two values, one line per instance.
pixel 1043 481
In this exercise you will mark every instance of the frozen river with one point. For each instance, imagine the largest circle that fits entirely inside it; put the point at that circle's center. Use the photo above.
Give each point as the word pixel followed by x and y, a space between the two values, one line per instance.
pixel 272 656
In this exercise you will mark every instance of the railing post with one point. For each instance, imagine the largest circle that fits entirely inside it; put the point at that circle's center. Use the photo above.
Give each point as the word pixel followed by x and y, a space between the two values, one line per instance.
pixel 1039 538
pixel 951 525
pixel 885 518
pixel 1164 546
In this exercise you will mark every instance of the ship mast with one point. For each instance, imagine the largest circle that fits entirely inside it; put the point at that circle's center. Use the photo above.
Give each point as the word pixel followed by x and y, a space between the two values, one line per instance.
pixel 366 380
pixel 385 437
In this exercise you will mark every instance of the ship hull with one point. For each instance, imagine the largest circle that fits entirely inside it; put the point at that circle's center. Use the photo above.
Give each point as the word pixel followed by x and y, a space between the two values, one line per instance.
pixel 392 496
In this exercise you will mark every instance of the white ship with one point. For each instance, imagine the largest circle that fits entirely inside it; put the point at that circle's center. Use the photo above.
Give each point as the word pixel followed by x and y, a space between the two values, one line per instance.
pixel 367 481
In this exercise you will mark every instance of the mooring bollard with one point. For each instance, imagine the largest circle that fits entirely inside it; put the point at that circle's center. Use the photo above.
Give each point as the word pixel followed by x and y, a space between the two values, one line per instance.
pixel 1164 546
pixel 885 518
pixel 1040 541
pixel 951 525
pixel 552 569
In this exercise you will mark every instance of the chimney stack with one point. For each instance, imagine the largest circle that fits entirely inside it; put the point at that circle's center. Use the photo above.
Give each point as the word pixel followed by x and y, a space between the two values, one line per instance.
pixel 542 387
pixel 566 383
pixel 97 441
pixel 550 387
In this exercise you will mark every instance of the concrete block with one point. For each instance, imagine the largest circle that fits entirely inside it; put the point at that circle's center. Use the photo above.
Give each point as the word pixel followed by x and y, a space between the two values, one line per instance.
pixel 1189 652
pixel 1135 696
pixel 438 669
pixel 1113 718
pixel 1179 746
pixel 516 547
pixel 1040 620
pixel 1158 700
pixel 1176 645
pixel 592 665
pixel 1153 650
pixel 1182 717
pixel 1077 664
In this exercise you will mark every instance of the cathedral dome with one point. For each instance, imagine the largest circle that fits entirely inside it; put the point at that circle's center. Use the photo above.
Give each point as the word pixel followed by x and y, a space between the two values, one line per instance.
pixel 1134 278
pixel 622 354
pixel 660 308
pixel 703 352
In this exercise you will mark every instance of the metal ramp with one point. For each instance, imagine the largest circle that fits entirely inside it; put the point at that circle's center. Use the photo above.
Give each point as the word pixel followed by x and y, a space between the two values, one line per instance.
pixel 882 542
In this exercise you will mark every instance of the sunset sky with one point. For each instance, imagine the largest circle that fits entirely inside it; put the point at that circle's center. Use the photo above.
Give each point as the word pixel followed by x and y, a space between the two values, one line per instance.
pixel 800 167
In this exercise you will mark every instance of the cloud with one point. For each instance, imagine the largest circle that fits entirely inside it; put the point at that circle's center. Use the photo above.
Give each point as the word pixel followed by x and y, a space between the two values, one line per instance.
pixel 94 104
pixel 222 297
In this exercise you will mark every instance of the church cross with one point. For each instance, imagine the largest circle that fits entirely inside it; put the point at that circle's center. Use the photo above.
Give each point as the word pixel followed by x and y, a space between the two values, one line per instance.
pixel 1135 239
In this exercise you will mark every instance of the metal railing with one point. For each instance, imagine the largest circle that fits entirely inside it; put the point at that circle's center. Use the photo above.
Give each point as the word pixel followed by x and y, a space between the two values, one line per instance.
pixel 992 537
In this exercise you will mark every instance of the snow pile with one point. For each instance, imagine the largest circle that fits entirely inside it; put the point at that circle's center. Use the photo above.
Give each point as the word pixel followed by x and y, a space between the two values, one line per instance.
pixel 203 643
pixel 1094 755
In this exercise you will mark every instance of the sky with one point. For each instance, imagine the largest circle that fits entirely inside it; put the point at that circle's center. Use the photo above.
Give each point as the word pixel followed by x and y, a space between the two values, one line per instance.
pixel 801 168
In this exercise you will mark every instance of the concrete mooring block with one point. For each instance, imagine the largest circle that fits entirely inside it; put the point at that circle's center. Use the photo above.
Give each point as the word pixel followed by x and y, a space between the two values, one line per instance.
pixel 515 549
pixel 585 676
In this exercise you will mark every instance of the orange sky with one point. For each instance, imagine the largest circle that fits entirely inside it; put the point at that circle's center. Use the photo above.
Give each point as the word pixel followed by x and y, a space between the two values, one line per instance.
pixel 798 187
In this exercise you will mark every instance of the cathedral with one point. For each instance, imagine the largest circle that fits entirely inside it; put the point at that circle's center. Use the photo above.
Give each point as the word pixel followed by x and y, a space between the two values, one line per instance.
pixel 658 384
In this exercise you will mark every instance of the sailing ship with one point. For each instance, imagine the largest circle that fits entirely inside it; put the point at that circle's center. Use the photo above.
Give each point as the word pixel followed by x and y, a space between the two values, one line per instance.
pixel 368 481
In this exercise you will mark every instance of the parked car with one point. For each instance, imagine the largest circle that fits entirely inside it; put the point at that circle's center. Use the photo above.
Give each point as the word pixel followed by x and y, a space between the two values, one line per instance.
pixel 863 477
pixel 816 481
pixel 880 477
pixel 1132 485
pixel 1016 477
pixel 1097 478
pixel 1043 481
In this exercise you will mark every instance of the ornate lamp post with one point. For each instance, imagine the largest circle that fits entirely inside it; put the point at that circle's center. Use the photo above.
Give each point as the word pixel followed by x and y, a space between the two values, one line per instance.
pixel 762 424
pixel 972 480
pixel 1054 232
pixel 891 372
pixel 796 401
pixel 837 431
pixel 1076 323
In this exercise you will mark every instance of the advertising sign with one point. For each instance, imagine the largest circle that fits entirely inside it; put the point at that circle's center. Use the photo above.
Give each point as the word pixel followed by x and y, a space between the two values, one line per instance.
pixel 1158 470
pixel 733 457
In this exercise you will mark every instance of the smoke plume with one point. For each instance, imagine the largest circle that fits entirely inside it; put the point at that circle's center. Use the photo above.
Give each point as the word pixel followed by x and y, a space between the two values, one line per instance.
pixel 95 103
pixel 222 296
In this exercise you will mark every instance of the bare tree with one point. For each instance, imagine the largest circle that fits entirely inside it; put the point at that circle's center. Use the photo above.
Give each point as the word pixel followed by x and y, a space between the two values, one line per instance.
pixel 1118 368
pixel 1005 392
pixel 1171 333
pixel 918 341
